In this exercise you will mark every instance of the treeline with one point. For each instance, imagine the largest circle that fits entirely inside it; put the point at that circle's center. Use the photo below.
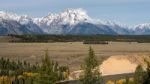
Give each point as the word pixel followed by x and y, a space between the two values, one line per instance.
pixel 12 68
pixel 48 72
pixel 81 38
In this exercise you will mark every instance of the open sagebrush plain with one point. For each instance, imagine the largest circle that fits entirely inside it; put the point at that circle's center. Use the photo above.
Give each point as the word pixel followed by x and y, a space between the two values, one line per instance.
pixel 70 53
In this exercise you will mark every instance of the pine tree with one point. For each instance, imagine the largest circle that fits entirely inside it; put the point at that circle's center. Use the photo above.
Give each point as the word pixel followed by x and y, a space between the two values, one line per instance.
pixel 91 71
pixel 147 73
pixel 47 75
pixel 138 75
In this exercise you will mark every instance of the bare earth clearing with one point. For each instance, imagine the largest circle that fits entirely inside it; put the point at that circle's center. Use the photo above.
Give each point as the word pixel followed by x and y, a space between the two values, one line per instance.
pixel 72 54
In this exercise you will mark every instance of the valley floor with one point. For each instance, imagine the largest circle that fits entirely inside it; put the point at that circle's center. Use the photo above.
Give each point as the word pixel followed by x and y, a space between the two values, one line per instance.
pixel 70 53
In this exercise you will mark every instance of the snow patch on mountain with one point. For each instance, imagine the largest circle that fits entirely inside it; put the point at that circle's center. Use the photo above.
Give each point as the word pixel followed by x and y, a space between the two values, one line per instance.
pixel 141 26
pixel 70 21
pixel 69 16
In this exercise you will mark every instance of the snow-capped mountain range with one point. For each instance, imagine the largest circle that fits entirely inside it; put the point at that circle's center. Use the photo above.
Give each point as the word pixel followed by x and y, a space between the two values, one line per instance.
pixel 70 21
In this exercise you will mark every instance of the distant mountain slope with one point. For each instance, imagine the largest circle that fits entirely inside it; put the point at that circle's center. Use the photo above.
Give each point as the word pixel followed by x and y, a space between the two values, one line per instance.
pixel 142 29
pixel 88 28
pixel 70 21
pixel 13 24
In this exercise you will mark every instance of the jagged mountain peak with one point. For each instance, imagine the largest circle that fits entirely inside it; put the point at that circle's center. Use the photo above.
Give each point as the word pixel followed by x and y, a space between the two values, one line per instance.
pixel 23 19
pixel 70 21
pixel 78 10
pixel 68 16
pixel 142 29
pixel 80 13
pixel 8 15
pixel 75 15
pixel 143 26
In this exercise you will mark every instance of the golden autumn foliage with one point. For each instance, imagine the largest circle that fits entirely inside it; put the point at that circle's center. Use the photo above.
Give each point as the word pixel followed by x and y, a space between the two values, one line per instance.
pixel 30 74
pixel 20 76
pixel 66 75
pixel 22 72
pixel 5 80
pixel 121 81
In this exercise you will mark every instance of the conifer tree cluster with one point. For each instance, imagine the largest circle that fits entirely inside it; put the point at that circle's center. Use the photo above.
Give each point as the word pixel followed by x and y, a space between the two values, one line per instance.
pixel 49 72
pixel 142 76
pixel 91 70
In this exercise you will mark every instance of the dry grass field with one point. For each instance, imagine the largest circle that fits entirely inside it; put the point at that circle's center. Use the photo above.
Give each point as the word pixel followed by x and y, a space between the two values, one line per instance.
pixel 71 54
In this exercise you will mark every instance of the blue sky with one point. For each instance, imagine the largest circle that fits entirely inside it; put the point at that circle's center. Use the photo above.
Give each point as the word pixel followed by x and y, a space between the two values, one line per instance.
pixel 129 12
